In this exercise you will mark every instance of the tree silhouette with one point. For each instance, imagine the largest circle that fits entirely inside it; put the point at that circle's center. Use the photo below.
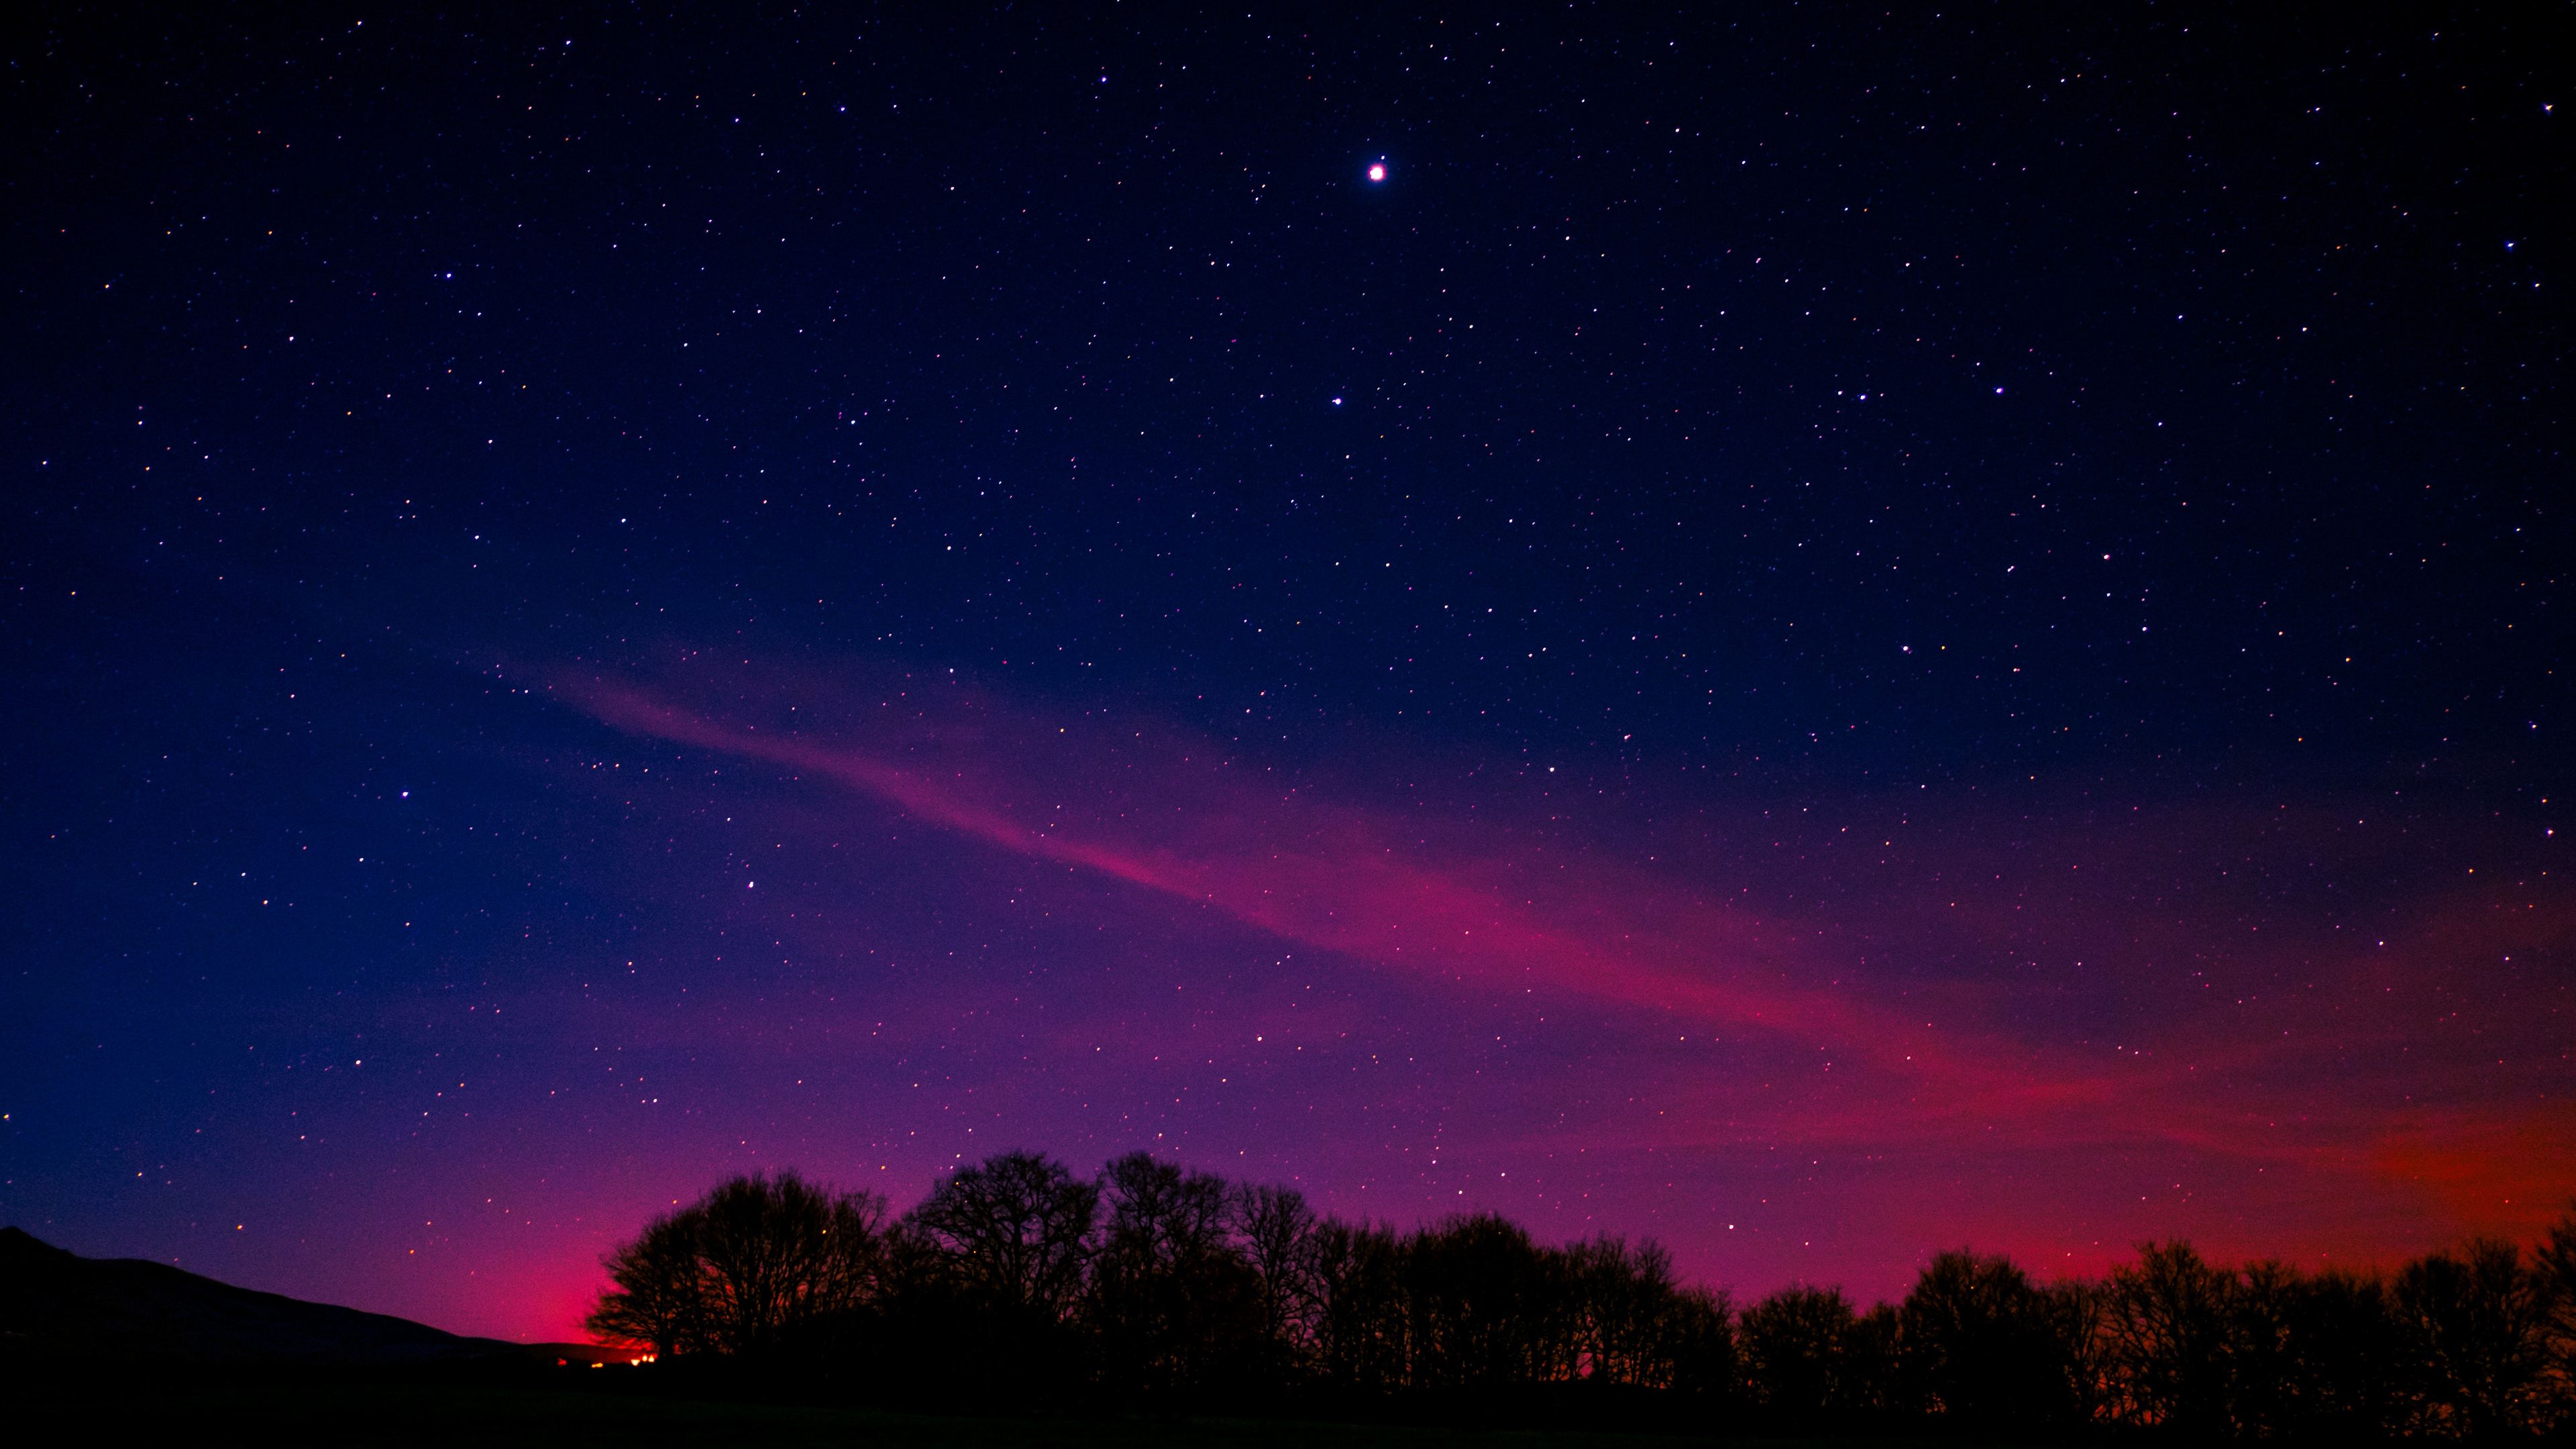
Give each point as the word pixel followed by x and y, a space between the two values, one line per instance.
pixel 1015 1284
pixel 1363 1340
pixel 983 1281
pixel 1622 1310
pixel 654 1298
pixel 2342 1380
pixel 755 1259
pixel 1278 1231
pixel 1795 1346
pixel 2478 1326
pixel 2554 1263
pixel 2079 1319
pixel 2260 1357
pixel 1483 1308
pixel 1979 1346
pixel 1175 1303
pixel 1699 1337
pixel 1872 1387
pixel 2167 1322
pixel 1017 1229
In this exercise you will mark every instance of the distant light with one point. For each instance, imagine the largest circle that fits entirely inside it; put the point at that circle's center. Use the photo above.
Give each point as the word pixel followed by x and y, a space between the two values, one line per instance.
pixel 1377 171
pixel 1337 402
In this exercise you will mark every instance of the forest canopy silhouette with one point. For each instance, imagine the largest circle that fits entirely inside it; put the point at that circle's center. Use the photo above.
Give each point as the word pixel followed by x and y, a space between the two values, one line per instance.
pixel 1018 1284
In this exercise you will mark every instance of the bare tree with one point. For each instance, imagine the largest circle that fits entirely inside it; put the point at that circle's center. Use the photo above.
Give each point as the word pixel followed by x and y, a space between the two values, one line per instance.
pixel 1278 1230
pixel 1363 1336
pixel 1485 1306
pixel 1978 1345
pixel 2262 1354
pixel 1174 1302
pixel 1700 1339
pixel 2554 1263
pixel 779 1252
pixel 1017 1284
pixel 1623 1305
pixel 752 1260
pixel 654 1299
pixel 1164 1213
pixel 2478 1324
pixel 2079 1316
pixel 1019 1226
pixel 1795 1345
pixel 2167 1319
pixel 2345 1383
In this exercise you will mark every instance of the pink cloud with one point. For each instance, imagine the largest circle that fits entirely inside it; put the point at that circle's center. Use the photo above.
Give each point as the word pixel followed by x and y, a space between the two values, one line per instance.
pixel 1498 893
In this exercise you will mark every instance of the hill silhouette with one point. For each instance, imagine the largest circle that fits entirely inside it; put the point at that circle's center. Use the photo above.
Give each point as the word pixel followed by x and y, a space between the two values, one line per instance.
pixel 57 1304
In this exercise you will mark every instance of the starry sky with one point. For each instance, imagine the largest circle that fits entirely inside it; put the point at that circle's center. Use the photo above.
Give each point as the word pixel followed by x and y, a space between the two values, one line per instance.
pixel 1814 634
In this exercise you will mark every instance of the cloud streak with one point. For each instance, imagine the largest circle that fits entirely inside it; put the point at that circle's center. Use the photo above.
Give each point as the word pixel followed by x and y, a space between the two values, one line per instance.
pixel 1513 903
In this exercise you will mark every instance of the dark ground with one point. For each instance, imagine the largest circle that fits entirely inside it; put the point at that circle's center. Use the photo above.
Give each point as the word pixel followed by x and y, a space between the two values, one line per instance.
pixel 146 1404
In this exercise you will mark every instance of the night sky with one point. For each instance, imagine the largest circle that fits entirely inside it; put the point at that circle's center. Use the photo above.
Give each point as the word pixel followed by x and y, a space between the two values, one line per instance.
pixel 1817 635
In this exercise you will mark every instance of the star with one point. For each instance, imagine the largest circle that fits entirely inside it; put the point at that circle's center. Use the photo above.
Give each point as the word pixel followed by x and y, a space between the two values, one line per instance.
pixel 1377 171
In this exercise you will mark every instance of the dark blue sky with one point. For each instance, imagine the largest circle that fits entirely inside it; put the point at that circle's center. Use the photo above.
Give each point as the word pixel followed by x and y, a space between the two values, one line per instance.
pixel 2127 445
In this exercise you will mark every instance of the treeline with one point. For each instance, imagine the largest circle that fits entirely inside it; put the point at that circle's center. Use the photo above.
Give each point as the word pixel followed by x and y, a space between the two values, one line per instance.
pixel 1017 1284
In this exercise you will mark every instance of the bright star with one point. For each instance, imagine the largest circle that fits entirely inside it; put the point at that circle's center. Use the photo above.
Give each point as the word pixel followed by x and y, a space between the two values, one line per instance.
pixel 1377 171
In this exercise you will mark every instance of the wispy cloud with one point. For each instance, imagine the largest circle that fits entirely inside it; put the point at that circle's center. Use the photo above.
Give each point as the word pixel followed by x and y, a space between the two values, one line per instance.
pixel 1512 903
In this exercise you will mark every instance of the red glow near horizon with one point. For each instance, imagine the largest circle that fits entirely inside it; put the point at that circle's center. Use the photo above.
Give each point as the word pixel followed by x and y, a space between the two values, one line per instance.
pixel 1811 1016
